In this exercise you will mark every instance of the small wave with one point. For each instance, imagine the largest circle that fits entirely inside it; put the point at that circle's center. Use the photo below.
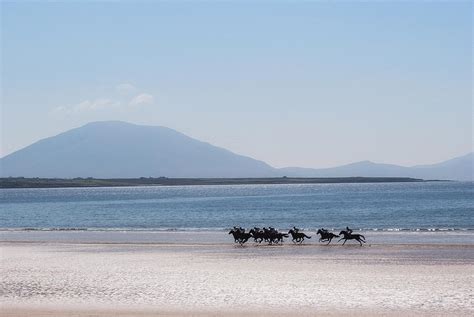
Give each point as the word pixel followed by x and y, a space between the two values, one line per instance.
pixel 43 229
pixel 417 229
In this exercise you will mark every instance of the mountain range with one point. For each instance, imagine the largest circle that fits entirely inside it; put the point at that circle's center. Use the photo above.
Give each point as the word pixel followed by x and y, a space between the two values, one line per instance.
pixel 114 149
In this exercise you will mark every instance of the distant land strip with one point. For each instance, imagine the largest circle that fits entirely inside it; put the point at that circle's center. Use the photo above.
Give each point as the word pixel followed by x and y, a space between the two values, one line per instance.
pixel 20 182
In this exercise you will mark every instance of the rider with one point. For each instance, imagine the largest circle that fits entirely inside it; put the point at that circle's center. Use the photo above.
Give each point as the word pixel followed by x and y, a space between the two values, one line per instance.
pixel 296 229
pixel 349 231
pixel 242 230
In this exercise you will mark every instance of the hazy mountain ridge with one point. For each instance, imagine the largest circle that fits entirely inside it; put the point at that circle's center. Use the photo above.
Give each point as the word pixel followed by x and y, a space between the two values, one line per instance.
pixel 117 149
pixel 114 149
pixel 459 168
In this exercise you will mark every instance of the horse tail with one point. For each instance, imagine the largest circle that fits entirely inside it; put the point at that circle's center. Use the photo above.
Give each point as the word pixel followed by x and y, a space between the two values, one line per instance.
pixel 362 236
pixel 307 236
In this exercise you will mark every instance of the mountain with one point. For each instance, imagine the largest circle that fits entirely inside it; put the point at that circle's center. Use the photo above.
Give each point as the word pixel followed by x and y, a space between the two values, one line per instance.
pixel 365 168
pixel 115 149
pixel 460 168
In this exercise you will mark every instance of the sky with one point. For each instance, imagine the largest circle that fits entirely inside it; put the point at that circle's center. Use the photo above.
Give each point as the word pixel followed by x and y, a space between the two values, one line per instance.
pixel 292 83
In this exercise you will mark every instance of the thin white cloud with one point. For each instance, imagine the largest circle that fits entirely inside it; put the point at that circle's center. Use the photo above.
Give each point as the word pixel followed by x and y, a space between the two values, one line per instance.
pixel 96 104
pixel 125 89
pixel 88 106
pixel 59 109
pixel 115 102
pixel 142 99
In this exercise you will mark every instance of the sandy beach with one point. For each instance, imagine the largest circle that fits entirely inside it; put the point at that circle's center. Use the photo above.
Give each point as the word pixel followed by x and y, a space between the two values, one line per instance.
pixel 116 279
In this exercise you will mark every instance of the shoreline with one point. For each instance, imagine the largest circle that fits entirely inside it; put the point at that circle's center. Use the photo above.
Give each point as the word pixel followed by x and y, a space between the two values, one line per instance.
pixel 222 237
pixel 21 182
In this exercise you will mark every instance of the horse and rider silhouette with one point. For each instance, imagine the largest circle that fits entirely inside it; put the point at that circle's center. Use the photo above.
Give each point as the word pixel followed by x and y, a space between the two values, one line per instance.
pixel 269 235
pixel 326 235
pixel 297 237
pixel 272 236
pixel 240 236
pixel 348 235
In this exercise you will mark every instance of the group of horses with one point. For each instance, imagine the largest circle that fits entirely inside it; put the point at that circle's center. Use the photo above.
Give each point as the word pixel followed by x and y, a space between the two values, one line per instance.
pixel 273 236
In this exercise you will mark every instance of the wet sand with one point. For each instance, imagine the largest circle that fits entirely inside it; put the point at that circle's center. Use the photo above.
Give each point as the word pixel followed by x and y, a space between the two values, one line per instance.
pixel 219 237
pixel 166 279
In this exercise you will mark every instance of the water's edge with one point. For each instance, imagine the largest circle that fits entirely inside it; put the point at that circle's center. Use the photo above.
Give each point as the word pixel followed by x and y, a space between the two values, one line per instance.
pixel 222 237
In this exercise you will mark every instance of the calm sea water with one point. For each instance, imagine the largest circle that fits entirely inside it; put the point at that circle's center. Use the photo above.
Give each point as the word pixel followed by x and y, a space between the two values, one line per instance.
pixel 391 206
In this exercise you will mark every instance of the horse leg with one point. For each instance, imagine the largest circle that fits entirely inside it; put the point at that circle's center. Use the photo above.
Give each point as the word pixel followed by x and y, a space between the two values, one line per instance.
pixel 344 241
pixel 329 241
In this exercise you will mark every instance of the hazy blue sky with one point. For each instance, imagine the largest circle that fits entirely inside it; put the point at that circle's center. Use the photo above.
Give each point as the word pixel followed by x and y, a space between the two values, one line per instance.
pixel 311 84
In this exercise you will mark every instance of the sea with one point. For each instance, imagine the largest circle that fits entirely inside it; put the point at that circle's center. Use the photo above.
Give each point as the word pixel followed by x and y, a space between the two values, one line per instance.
pixel 444 207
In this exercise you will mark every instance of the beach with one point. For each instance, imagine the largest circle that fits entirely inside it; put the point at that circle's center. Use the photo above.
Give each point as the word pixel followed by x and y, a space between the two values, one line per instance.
pixel 163 278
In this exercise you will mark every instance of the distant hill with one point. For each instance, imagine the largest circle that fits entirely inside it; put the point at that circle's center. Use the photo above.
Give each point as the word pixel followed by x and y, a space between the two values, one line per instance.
pixel 117 149
pixel 460 168
pixel 114 149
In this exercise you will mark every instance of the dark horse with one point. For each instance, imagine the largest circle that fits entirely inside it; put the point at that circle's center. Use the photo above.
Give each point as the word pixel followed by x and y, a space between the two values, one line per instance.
pixel 273 236
pixel 298 237
pixel 240 236
pixel 257 234
pixel 277 237
pixel 350 236
pixel 326 236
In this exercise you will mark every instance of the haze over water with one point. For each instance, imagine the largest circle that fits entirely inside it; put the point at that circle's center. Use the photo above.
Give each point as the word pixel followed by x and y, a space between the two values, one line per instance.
pixel 390 206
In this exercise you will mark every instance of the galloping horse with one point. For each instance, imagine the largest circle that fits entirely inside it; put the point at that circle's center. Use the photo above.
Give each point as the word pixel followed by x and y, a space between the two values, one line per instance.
pixel 298 237
pixel 273 236
pixel 350 236
pixel 277 237
pixel 326 236
pixel 240 236
pixel 257 234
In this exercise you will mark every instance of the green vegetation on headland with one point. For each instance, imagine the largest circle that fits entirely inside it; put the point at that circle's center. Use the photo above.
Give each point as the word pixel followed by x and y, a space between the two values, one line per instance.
pixel 20 182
